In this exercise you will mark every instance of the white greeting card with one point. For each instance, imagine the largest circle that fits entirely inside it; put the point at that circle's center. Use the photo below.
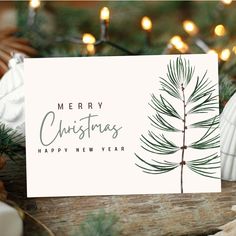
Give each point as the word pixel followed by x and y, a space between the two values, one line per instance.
pixel 122 125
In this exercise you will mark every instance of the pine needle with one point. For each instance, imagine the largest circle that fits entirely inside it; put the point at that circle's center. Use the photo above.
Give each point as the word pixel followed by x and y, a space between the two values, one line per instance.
pixel 10 142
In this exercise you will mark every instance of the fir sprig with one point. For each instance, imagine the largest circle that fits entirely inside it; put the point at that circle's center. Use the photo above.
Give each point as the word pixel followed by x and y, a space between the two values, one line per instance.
pixel 100 224
pixel 10 142
pixel 227 89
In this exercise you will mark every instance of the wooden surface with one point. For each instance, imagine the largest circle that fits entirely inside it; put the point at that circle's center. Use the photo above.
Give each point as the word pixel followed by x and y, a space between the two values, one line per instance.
pixel 154 215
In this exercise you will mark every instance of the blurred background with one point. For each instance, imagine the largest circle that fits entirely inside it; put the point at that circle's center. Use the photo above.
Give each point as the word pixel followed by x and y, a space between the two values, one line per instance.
pixel 87 28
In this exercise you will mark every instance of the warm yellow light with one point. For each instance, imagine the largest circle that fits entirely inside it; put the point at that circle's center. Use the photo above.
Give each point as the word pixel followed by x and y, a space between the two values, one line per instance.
pixel 220 30
pixel 91 49
pixel 88 39
pixel 34 3
pixel 105 14
pixel 226 2
pixel 177 42
pixel 212 51
pixel 182 47
pixel 190 27
pixel 146 23
pixel 225 54
pixel 234 49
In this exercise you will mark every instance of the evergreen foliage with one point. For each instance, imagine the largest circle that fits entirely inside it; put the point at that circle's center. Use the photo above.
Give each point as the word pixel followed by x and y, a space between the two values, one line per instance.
pixel 100 224
pixel 201 100
pixel 10 142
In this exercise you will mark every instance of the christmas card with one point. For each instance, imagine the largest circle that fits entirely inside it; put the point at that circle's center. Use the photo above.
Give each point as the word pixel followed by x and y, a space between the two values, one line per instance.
pixel 122 125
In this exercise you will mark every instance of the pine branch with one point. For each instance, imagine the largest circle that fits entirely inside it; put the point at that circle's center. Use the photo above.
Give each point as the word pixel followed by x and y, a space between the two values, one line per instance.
pixel 206 123
pixel 208 104
pixel 180 72
pixel 159 122
pixel 207 142
pixel 202 88
pixel 158 144
pixel 100 224
pixel 157 167
pixel 201 100
pixel 170 88
pixel 227 89
pixel 200 166
pixel 10 142
pixel 164 107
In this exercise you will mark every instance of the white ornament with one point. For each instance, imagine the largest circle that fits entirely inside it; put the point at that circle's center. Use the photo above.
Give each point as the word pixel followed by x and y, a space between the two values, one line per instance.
pixel 10 222
pixel 228 140
pixel 12 96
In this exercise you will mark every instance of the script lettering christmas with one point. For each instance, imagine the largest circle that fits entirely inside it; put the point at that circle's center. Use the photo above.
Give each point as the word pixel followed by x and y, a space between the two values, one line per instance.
pixel 54 128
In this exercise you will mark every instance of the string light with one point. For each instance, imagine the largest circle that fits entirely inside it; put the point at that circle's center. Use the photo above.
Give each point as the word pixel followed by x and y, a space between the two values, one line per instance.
pixel 234 49
pixel 178 43
pixel 105 18
pixel 105 14
pixel 146 23
pixel 90 49
pixel 34 4
pixel 175 42
pixel 225 54
pixel 88 38
pixel 212 51
pixel 220 30
pixel 175 39
pixel 226 2
pixel 190 27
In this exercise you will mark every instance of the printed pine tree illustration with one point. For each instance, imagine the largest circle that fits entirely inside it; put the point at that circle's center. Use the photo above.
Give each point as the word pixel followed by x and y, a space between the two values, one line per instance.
pixel 195 100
